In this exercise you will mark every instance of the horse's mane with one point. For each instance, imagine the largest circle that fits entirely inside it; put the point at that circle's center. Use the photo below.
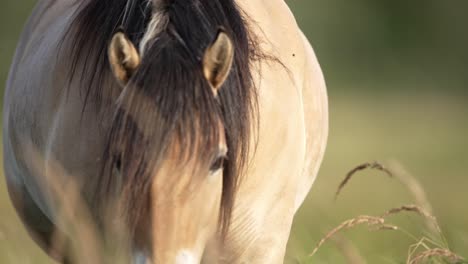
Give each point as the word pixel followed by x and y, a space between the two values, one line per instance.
pixel 170 77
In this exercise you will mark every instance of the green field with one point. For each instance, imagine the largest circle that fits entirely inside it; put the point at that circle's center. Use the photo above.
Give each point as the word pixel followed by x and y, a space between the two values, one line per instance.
pixel 397 93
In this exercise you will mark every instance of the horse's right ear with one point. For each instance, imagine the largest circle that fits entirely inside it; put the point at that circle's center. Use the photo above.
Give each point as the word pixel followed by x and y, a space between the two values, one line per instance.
pixel 123 57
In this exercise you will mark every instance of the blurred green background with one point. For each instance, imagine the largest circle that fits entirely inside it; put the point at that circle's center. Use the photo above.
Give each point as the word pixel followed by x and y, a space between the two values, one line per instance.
pixel 397 80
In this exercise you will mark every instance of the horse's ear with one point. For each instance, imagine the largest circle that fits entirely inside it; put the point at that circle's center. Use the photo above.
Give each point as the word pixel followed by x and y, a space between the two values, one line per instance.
pixel 123 57
pixel 217 61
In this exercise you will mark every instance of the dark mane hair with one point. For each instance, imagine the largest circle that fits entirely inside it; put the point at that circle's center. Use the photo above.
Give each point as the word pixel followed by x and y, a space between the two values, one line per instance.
pixel 168 97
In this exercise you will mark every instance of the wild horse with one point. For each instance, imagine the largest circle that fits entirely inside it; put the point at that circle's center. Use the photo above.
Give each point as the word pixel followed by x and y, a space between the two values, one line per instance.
pixel 199 125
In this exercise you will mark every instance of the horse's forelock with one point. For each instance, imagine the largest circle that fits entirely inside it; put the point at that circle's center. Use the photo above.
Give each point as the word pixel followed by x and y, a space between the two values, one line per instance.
pixel 157 24
pixel 182 34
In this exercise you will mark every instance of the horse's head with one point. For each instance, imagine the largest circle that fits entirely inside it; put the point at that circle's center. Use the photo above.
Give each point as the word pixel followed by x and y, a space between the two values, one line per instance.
pixel 168 144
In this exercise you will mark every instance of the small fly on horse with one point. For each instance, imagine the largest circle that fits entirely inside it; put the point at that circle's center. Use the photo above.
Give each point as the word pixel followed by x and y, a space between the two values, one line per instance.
pixel 198 124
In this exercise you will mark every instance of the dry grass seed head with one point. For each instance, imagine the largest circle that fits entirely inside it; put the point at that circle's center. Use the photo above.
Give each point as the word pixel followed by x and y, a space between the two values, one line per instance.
pixel 371 221
pixel 436 252
pixel 431 220
pixel 409 208
pixel 374 165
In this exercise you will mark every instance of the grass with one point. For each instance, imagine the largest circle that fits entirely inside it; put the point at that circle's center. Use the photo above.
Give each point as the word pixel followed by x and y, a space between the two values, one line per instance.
pixel 424 132
pixel 424 249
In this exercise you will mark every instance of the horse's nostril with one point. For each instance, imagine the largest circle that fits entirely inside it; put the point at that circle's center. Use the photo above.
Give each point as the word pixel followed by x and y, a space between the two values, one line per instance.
pixel 185 257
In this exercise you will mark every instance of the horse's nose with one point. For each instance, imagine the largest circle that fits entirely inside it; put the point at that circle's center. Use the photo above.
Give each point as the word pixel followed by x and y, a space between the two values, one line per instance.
pixel 186 257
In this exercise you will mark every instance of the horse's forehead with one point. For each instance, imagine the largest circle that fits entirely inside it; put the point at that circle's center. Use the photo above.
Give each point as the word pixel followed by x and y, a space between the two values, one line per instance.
pixel 127 105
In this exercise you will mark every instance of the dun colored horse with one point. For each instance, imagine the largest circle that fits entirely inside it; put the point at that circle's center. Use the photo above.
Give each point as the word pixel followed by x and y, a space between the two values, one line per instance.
pixel 200 125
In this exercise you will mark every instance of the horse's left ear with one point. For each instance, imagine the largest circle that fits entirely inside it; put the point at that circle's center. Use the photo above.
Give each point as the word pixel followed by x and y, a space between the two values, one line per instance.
pixel 217 61
pixel 123 57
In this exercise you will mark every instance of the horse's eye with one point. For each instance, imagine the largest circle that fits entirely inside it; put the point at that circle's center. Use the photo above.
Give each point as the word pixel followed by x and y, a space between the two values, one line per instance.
pixel 118 163
pixel 217 164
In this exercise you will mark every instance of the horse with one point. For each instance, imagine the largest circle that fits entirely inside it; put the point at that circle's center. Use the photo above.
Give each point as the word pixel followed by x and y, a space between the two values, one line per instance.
pixel 198 125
